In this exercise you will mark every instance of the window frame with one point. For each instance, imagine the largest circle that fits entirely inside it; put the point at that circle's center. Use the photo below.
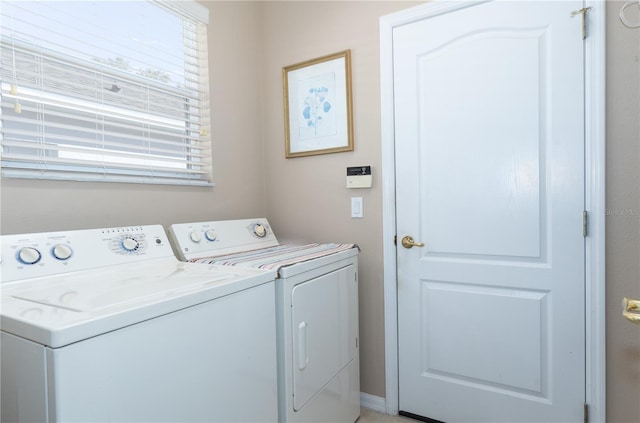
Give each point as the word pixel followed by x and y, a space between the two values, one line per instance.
pixel 83 170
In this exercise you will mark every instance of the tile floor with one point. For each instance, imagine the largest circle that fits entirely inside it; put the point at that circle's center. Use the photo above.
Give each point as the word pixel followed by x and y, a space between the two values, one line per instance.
pixel 369 416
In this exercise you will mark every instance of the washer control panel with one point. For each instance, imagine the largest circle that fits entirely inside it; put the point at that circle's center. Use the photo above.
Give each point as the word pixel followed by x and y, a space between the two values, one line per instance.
pixel 27 256
pixel 201 239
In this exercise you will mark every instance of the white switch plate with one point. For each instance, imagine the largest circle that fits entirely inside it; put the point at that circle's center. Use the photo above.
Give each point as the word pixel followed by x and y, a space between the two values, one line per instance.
pixel 356 207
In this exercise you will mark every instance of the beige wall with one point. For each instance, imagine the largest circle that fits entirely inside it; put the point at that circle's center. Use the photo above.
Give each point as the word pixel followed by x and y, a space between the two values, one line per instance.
pixel 623 221
pixel 305 197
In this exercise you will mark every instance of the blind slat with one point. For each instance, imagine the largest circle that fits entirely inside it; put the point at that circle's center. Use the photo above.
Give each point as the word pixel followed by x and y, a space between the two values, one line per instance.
pixel 31 74
pixel 184 157
pixel 131 134
pixel 104 166
pixel 95 176
pixel 28 56
pixel 78 106
pixel 121 127
pixel 159 53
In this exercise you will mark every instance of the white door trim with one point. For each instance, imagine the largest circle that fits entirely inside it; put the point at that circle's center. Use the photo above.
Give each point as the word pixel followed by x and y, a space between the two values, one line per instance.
pixel 594 199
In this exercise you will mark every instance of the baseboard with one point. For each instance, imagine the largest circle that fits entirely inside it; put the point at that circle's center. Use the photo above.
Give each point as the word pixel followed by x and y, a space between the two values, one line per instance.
pixel 373 402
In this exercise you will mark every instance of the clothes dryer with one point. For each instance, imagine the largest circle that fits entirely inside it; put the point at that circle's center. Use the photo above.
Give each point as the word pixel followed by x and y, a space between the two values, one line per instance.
pixel 316 308
pixel 106 325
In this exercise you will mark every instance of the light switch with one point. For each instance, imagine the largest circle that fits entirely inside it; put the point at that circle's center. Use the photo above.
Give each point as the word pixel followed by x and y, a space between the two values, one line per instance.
pixel 356 207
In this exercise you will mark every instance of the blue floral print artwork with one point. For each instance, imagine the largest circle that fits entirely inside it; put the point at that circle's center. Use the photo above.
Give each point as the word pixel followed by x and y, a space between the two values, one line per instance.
pixel 317 115
pixel 315 105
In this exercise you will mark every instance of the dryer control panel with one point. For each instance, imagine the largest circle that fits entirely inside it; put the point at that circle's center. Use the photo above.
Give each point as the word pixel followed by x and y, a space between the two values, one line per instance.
pixel 202 239
pixel 26 256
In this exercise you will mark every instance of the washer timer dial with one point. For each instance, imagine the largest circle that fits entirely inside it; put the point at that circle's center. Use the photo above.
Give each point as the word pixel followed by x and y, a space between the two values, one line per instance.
pixel 129 244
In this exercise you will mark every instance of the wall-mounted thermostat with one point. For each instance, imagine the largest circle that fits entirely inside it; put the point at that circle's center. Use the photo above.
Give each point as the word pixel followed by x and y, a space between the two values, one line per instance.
pixel 359 177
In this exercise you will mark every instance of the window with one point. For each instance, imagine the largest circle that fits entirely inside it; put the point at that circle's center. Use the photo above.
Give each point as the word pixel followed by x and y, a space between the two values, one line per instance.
pixel 105 91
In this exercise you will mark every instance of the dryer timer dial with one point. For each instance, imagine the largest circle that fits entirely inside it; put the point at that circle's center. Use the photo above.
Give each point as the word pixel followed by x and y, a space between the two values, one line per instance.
pixel 195 236
pixel 260 230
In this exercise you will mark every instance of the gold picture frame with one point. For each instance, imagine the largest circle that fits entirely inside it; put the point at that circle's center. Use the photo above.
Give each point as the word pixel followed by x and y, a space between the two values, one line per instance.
pixel 318 112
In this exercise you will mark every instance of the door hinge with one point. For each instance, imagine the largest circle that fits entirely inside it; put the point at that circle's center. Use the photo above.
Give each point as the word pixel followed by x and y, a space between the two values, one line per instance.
pixel 585 223
pixel 395 240
pixel 583 12
pixel 586 413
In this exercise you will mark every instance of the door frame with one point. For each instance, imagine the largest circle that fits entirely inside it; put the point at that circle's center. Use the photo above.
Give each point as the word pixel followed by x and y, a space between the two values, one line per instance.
pixel 595 66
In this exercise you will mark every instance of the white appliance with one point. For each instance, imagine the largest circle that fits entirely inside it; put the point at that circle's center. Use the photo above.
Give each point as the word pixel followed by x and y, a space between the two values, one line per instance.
pixel 316 309
pixel 106 325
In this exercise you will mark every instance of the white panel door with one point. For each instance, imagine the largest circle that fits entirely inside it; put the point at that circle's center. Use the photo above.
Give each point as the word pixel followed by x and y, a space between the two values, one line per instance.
pixel 489 135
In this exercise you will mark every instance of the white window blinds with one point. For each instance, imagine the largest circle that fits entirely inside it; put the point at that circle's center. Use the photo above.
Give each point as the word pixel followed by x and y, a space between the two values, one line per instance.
pixel 107 90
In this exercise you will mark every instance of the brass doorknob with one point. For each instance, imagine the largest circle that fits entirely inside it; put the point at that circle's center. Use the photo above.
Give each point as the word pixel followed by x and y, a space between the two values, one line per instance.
pixel 631 310
pixel 408 242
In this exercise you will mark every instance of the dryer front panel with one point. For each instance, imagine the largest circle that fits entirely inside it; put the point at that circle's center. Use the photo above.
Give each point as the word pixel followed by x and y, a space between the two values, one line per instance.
pixel 324 325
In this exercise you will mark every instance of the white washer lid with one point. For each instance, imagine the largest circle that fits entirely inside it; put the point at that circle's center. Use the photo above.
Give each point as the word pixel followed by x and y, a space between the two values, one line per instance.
pixel 62 309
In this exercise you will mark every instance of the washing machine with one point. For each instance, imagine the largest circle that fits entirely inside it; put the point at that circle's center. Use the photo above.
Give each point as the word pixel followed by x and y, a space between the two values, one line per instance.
pixel 106 325
pixel 316 290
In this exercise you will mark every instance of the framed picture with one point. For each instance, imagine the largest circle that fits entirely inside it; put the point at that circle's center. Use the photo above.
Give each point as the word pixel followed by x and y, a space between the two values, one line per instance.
pixel 317 106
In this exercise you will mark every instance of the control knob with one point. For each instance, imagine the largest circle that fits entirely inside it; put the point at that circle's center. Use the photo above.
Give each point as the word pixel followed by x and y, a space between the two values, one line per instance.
pixel 260 230
pixel 129 243
pixel 29 255
pixel 61 251
pixel 195 236
pixel 211 235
